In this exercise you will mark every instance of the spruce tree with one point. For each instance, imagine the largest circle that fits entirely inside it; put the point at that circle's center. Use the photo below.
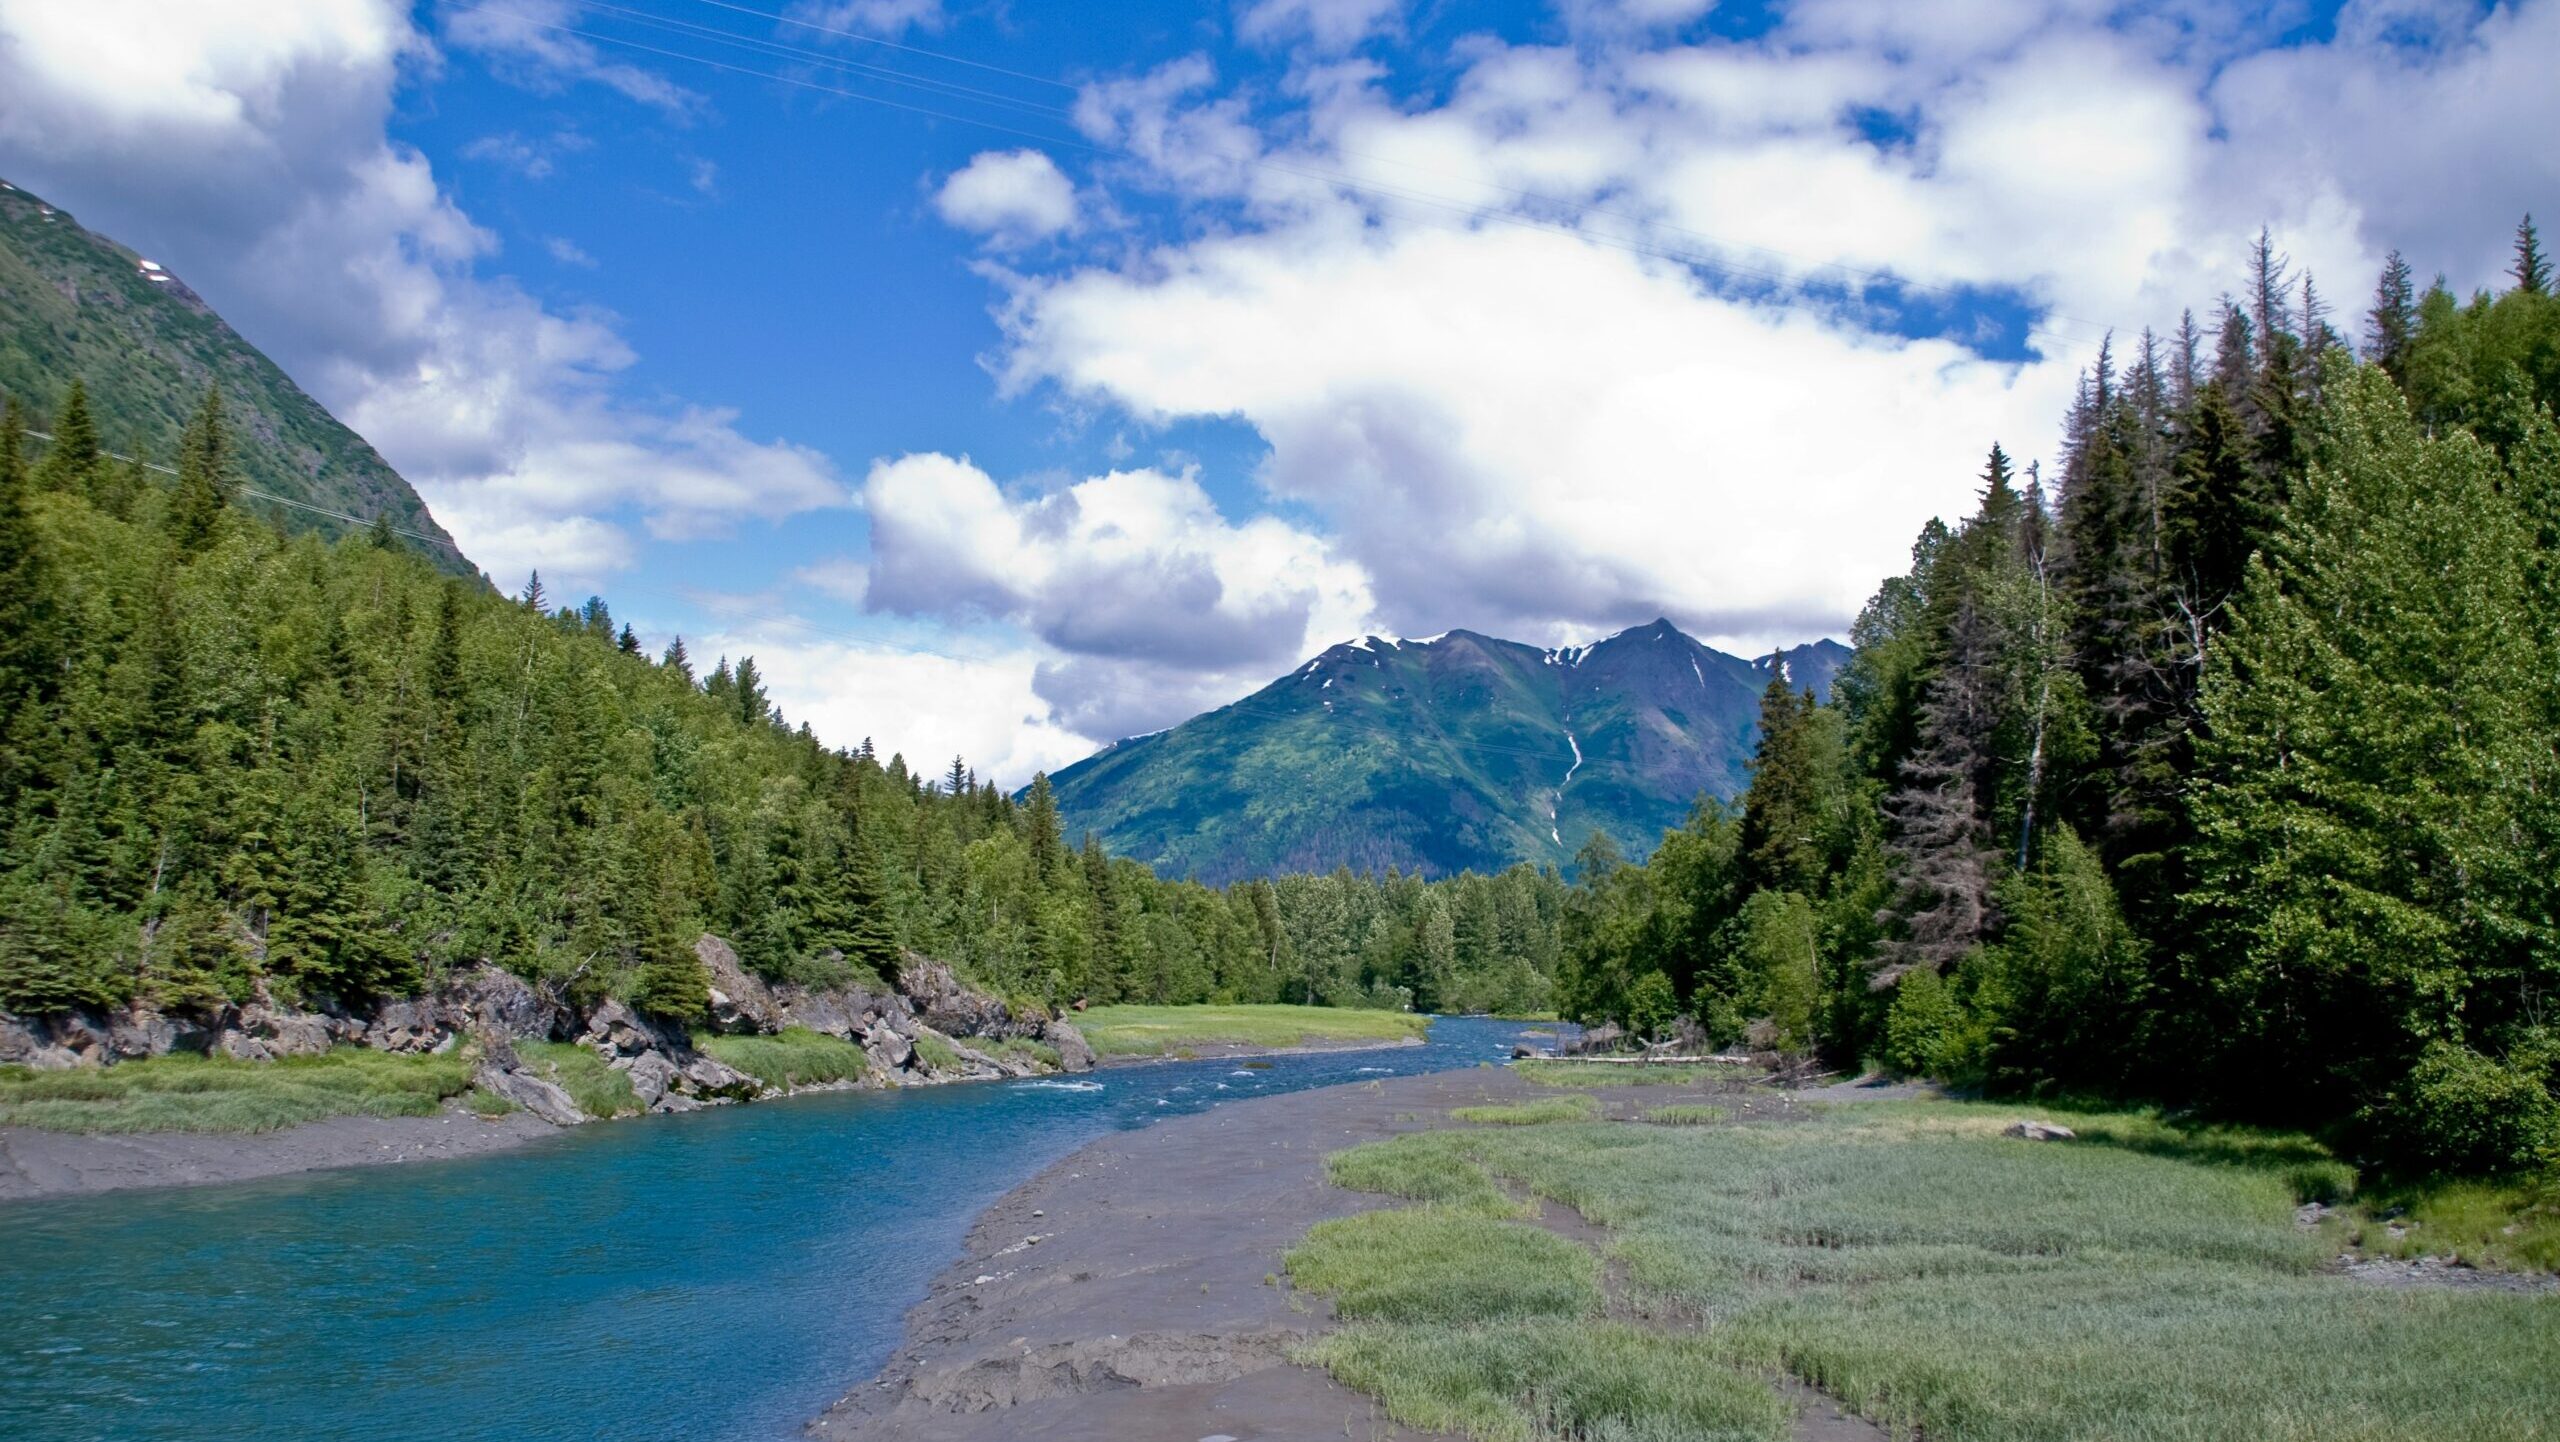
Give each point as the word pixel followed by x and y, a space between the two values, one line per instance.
pixel 29 647
pixel 2532 270
pixel 2392 325
pixel 1781 813
pixel 72 461
pixel 1941 843
pixel 1043 835
pixel 204 479
pixel 677 661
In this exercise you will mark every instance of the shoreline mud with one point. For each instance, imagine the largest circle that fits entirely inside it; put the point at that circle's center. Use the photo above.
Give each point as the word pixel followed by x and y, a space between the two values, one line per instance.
pixel 1135 1288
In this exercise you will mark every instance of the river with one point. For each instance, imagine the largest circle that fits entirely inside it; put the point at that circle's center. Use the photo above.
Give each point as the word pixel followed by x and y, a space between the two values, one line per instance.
pixel 720 1276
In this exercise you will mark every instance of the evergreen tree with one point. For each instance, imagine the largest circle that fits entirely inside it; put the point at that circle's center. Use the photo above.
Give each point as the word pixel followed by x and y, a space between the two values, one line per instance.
pixel 2372 753
pixel 1941 842
pixel 29 662
pixel 2392 326
pixel 1043 835
pixel 73 460
pixel 1781 819
pixel 204 480
pixel 2532 270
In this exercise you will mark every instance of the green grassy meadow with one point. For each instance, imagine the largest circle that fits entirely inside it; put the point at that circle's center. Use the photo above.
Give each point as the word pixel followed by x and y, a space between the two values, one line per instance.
pixel 2147 1282
pixel 1171 1030
pixel 200 1094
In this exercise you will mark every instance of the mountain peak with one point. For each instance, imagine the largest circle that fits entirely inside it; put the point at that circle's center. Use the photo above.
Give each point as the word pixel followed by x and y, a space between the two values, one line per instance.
pixel 1455 752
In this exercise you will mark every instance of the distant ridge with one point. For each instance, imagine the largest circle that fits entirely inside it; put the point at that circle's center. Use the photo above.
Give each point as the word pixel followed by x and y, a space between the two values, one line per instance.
pixel 75 303
pixel 1460 752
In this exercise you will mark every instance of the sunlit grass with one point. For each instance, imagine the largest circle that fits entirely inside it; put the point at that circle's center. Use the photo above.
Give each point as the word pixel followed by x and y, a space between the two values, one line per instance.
pixel 2512 1223
pixel 1022 1050
pixel 1531 1113
pixel 1553 1073
pixel 794 1057
pixel 599 1090
pixel 201 1094
pixel 1427 1264
pixel 1522 1381
pixel 1689 1114
pixel 2147 1282
pixel 1163 1030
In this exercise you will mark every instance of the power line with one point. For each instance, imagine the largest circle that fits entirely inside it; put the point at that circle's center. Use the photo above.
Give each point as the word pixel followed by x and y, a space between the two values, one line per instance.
pixel 270 496
pixel 1796 271
pixel 890 44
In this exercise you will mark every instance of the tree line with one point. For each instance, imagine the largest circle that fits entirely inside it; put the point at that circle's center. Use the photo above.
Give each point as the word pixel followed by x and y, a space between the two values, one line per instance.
pixel 2220 770
pixel 235 762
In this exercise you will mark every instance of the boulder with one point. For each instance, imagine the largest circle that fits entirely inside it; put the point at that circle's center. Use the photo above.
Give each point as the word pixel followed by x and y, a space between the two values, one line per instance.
pixel 652 1076
pixel 284 1032
pixel 542 1098
pixel 2038 1132
pixel 489 1001
pixel 739 1000
pixel 239 1045
pixel 707 1077
pixel 20 1040
pixel 1075 1054
pixel 824 1012
pixel 409 1025
pixel 941 1002
pixel 616 1030
pixel 142 1032
pixel 889 1049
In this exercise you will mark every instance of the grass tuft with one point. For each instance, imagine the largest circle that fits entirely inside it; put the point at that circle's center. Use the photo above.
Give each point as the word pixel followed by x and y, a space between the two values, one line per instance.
pixel 1169 1030
pixel 1689 1114
pixel 937 1054
pixel 1022 1049
pixel 1554 1073
pixel 599 1090
pixel 794 1057
pixel 1532 1113
pixel 1427 1265
pixel 1527 1381
pixel 203 1094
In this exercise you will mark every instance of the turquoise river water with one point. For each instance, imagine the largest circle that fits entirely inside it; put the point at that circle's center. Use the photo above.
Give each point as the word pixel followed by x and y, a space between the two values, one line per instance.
pixel 715 1277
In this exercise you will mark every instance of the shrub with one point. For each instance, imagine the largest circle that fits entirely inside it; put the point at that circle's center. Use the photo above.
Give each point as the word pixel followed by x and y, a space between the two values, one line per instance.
pixel 1924 1033
pixel 2459 1111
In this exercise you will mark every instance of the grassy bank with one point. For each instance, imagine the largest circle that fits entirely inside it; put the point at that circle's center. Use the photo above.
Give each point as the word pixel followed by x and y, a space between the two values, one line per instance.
pixel 2144 1282
pixel 200 1094
pixel 1173 1030
pixel 792 1057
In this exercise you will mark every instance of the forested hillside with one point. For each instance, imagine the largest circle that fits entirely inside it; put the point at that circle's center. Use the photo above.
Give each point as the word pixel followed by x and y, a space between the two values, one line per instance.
pixel 77 308
pixel 2224 772
pixel 237 759
pixel 1458 752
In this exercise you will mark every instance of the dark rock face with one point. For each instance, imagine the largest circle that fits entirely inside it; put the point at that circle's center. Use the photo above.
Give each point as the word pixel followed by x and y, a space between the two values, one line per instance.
pixel 492 1009
pixel 740 1001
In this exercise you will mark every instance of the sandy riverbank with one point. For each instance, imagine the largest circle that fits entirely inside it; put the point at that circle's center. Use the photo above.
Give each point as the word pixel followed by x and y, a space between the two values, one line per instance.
pixel 37 1163
pixel 1150 1305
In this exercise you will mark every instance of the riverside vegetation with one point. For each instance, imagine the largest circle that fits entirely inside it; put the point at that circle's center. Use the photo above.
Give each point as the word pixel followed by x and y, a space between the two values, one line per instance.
pixel 2148 1280
pixel 2218 769
pixel 236 764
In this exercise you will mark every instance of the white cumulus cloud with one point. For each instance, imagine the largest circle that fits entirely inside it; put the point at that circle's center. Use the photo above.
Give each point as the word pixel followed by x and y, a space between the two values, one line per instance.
pixel 1011 196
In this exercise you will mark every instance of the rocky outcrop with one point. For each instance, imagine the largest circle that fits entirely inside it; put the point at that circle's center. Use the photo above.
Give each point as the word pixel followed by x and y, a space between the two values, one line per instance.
pixel 491 1009
pixel 501 1073
pixel 740 1001
pixel 1075 1054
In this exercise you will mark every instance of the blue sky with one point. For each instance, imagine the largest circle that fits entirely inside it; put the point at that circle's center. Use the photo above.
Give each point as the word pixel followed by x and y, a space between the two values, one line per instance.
pixel 1191 338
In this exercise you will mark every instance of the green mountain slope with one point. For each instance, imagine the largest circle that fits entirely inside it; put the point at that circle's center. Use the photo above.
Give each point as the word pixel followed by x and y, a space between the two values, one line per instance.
pixel 1460 752
pixel 73 303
